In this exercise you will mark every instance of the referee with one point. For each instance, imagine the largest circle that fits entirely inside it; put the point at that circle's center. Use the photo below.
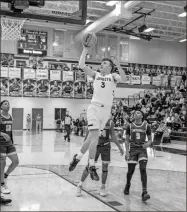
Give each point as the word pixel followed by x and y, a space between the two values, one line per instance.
pixel 67 124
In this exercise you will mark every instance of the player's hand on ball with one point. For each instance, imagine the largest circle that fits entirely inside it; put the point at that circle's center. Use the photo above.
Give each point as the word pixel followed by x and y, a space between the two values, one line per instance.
pixel 127 155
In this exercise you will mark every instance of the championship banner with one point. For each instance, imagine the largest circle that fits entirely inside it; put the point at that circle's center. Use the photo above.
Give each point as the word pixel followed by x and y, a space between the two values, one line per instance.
pixel 146 80
pixel 157 81
pixel 55 83
pixel 79 85
pixel 175 80
pixel 178 80
pixel 80 76
pixel 135 80
pixel 42 83
pixel 79 89
pixel 15 82
pixel 67 84
pixel 89 87
pixel 165 80
pixel 4 81
pixel 29 82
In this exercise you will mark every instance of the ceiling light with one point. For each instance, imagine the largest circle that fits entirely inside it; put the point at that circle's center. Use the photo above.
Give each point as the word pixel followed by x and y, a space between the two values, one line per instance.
pixel 111 3
pixel 149 29
pixel 182 40
pixel 134 38
pixel 55 43
pixel 142 28
pixel 182 14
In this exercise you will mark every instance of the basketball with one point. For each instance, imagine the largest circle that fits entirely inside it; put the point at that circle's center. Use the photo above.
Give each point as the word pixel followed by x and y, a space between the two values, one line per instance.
pixel 89 39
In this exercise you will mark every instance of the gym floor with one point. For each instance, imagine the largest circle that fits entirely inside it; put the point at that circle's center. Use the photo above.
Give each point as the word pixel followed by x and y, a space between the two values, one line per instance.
pixel 42 181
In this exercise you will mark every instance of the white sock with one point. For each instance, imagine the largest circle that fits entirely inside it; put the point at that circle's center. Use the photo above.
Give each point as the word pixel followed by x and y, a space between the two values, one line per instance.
pixel 80 184
pixel 91 162
pixel 79 155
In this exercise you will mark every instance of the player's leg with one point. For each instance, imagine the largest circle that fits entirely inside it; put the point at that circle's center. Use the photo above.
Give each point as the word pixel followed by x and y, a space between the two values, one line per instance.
pixel 105 156
pixel 91 140
pixel 142 158
pixel 133 160
pixel 3 151
pixel 85 175
pixel 12 155
pixel 83 178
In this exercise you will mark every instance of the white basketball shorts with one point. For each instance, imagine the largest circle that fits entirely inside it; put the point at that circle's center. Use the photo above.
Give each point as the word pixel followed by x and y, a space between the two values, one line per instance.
pixel 97 116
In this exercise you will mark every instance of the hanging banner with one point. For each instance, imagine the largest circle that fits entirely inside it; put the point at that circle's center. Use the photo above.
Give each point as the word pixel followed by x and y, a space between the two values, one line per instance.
pixel 89 87
pixel 55 84
pixel 80 76
pixel 146 80
pixel 79 89
pixel 42 83
pixel 157 81
pixel 67 84
pixel 29 83
pixel 165 80
pixel 4 81
pixel 135 79
pixel 15 82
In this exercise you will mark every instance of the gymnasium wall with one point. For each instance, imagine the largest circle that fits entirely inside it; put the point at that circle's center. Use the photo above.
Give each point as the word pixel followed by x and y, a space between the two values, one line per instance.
pixel 157 52
pixel 154 52
pixel 74 106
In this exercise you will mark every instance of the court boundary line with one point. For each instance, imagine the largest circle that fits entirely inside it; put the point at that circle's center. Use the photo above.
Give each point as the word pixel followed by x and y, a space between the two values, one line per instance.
pixel 110 206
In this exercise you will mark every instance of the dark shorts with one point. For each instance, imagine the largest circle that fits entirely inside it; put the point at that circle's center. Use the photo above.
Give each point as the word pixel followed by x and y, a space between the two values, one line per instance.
pixel 8 150
pixel 136 155
pixel 104 152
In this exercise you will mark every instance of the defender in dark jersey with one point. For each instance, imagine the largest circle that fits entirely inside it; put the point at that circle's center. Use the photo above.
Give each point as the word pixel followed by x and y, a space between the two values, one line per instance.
pixel 6 145
pixel 136 150
pixel 103 148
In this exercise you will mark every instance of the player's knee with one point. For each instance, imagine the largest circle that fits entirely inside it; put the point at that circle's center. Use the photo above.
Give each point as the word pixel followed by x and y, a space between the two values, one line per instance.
pixel 104 167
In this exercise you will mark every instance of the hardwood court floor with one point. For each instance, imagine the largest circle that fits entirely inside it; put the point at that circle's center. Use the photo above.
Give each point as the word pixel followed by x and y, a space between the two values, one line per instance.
pixel 42 180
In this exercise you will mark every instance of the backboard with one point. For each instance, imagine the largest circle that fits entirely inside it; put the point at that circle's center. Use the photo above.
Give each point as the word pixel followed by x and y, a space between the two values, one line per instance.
pixel 74 12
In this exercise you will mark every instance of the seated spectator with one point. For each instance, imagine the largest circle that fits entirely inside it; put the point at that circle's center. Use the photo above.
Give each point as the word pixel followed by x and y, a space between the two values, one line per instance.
pixel 182 88
pixel 169 121
pixel 176 122
pixel 183 118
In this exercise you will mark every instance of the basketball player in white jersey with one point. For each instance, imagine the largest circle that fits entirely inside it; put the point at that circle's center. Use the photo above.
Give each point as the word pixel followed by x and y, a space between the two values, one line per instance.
pixel 99 110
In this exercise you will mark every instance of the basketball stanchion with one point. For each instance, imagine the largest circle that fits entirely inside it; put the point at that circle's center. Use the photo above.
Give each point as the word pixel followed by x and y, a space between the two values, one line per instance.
pixel 11 28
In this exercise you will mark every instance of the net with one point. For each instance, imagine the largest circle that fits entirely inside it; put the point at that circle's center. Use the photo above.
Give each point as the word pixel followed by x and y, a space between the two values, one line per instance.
pixel 11 29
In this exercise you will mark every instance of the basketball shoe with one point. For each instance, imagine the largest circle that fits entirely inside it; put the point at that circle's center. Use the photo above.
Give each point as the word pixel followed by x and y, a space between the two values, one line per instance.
pixel 93 173
pixel 78 192
pixel 145 196
pixel 74 163
pixel 126 190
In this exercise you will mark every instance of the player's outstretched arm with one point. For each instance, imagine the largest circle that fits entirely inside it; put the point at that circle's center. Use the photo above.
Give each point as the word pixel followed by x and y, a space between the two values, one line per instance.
pixel 82 64
pixel 122 74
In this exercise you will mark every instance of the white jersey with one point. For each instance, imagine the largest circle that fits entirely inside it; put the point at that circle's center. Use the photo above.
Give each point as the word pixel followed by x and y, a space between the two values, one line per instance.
pixel 104 88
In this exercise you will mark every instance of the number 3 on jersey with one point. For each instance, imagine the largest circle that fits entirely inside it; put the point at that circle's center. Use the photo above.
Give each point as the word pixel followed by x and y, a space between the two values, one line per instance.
pixel 8 128
pixel 138 136
pixel 102 84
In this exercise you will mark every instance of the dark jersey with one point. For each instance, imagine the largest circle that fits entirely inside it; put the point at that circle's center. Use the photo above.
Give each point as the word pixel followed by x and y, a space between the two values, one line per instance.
pixel 67 89
pixel 6 127
pixel 138 134
pixel 106 133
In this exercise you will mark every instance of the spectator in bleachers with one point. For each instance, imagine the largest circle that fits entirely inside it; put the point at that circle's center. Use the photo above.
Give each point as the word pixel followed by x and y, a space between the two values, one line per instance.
pixel 176 122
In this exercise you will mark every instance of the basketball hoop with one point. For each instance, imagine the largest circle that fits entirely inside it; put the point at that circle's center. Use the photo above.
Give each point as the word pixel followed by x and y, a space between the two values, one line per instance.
pixel 11 29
